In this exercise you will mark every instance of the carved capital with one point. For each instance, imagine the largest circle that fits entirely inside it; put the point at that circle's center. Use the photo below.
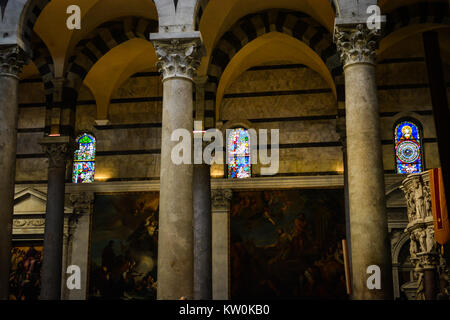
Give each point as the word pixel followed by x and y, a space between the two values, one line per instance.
pixel 356 44
pixel 58 150
pixel 82 206
pixel 220 198
pixel 82 202
pixel 12 59
pixel 178 58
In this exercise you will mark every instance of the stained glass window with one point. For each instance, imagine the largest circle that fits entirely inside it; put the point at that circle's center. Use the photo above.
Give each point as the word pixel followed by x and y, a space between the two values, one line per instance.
pixel 84 160
pixel 408 148
pixel 238 153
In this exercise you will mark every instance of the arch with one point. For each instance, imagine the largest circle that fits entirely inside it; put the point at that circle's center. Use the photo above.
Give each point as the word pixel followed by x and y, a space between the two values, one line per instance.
pixel 404 238
pixel 101 41
pixel 51 23
pixel 408 144
pixel 44 64
pixel 214 18
pixel 418 17
pixel 25 25
pixel 299 26
pixel 118 65
pixel 84 159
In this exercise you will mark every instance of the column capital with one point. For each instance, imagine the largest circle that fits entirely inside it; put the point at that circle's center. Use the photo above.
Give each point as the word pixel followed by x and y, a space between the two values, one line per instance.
pixel 356 44
pixel 12 59
pixel 82 202
pixel 220 198
pixel 82 206
pixel 179 54
pixel 58 150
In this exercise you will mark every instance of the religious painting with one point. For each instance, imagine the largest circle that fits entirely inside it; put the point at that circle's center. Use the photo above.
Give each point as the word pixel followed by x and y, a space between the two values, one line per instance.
pixel 25 274
pixel 408 148
pixel 124 246
pixel 287 244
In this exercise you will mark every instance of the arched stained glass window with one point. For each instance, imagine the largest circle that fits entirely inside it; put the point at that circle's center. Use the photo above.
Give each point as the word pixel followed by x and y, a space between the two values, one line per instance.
pixel 238 153
pixel 408 147
pixel 84 160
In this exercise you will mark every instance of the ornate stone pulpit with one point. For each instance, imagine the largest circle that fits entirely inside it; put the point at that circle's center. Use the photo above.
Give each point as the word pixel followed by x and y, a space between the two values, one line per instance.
pixel 424 251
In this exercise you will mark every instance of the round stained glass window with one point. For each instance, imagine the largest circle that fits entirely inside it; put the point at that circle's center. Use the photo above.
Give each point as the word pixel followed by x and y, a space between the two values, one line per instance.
pixel 408 151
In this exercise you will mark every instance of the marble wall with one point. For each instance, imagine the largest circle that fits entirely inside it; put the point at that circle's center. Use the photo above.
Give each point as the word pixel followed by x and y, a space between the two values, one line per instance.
pixel 293 99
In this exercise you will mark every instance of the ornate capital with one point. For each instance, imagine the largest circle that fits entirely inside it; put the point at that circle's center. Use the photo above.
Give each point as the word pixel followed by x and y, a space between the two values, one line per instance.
pixel 356 44
pixel 82 206
pixel 58 150
pixel 82 202
pixel 221 198
pixel 178 58
pixel 12 59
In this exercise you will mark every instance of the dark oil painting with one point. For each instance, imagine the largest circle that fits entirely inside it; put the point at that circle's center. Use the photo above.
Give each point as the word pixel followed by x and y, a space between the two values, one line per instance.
pixel 124 246
pixel 287 244
pixel 25 274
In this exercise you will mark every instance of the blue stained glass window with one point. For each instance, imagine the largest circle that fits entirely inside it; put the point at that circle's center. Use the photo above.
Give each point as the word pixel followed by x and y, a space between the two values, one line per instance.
pixel 408 148
pixel 238 153
pixel 84 160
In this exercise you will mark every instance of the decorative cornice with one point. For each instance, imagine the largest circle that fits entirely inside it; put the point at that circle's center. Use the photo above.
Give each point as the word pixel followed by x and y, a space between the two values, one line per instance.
pixel 12 59
pixel 178 58
pixel 356 44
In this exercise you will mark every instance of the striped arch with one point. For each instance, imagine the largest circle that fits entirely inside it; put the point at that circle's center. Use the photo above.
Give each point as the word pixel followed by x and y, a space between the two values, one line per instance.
pixel 44 63
pixel 418 13
pixel 29 17
pixel 101 41
pixel 201 6
pixel 295 24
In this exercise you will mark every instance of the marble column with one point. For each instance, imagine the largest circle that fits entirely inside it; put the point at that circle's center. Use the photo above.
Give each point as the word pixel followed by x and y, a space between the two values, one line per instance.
pixel 178 60
pixel 202 233
pixel 78 245
pixel 12 59
pixel 202 204
pixel 58 151
pixel 368 219
pixel 341 130
pixel 220 243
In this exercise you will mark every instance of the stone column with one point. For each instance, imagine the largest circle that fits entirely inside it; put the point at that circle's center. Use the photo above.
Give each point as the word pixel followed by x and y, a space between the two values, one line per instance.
pixel 368 218
pixel 202 233
pixel 178 60
pixel 220 243
pixel 12 59
pixel 202 203
pixel 341 130
pixel 78 246
pixel 423 248
pixel 58 151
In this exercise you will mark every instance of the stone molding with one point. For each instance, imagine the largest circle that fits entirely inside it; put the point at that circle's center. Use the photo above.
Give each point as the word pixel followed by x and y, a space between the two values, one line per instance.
pixel 178 57
pixel 220 199
pixel 12 59
pixel 356 44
